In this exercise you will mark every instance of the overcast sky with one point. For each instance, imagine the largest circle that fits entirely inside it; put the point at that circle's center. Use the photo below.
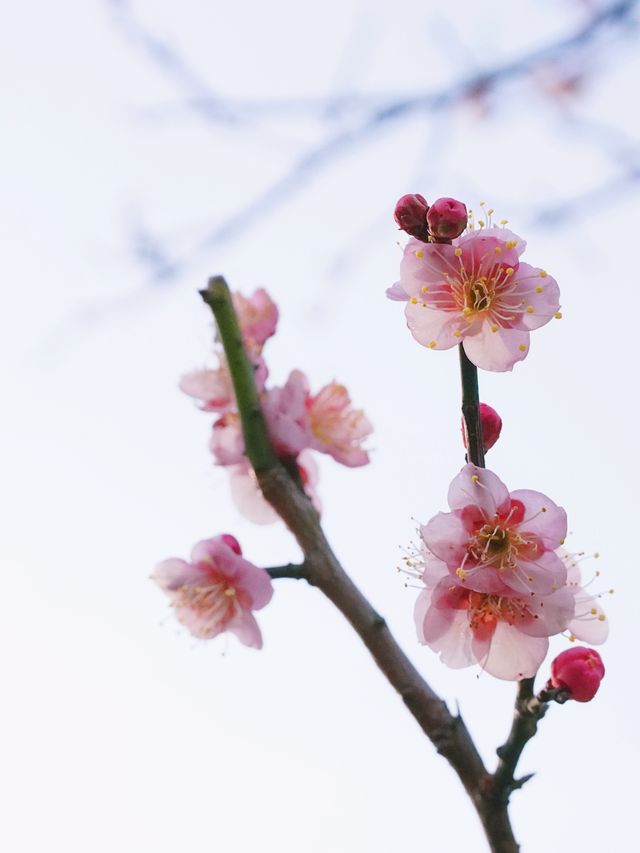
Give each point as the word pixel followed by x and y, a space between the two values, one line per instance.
pixel 120 731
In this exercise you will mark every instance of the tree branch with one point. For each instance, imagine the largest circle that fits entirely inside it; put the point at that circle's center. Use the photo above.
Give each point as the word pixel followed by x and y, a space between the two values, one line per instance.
pixel 447 732
pixel 471 409
pixel 289 571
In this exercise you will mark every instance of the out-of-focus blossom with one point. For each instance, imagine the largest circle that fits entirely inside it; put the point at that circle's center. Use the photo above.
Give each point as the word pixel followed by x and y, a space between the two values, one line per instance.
pixel 447 218
pixel 217 591
pixel 257 316
pixel 579 671
pixel 285 412
pixel 411 216
pixel 498 542
pixel 211 386
pixel 506 634
pixel 491 423
pixel 476 292
pixel 250 501
pixel 337 428
pixel 227 442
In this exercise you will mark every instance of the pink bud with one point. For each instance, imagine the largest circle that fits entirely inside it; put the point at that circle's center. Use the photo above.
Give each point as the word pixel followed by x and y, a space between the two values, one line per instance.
pixel 411 216
pixel 491 426
pixel 447 219
pixel 579 671
pixel 232 543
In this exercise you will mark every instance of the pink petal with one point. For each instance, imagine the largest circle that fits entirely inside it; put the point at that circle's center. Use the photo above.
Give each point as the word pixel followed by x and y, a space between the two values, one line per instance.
pixel 590 623
pixel 426 263
pixel 254 581
pixel 543 519
pixel 173 573
pixel 248 498
pixel 542 294
pixel 552 614
pixel 246 629
pixel 446 537
pixel 497 351
pixel 541 575
pixel 397 293
pixel 480 488
pixel 431 327
pixel 512 654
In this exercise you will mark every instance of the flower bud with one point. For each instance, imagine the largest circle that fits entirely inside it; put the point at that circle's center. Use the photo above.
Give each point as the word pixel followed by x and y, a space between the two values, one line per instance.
pixel 232 543
pixel 411 216
pixel 579 671
pixel 447 219
pixel 491 423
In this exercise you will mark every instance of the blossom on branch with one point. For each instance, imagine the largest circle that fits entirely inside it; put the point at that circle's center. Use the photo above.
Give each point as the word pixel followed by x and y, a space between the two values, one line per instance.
pixel 506 633
pixel 477 292
pixel 258 318
pixel 498 542
pixel 217 591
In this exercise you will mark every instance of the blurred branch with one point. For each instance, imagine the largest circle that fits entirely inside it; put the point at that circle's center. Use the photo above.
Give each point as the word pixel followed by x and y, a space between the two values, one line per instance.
pixel 366 115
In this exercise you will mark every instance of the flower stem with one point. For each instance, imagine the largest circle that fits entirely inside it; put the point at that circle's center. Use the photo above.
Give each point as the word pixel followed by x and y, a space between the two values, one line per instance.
pixel 471 409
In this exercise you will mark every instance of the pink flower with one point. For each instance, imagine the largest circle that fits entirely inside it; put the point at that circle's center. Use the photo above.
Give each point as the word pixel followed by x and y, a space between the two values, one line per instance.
pixel 217 591
pixel 337 428
pixel 249 500
pixel 498 542
pixel 491 423
pixel 506 634
pixel 477 292
pixel 579 671
pixel 258 318
pixel 447 218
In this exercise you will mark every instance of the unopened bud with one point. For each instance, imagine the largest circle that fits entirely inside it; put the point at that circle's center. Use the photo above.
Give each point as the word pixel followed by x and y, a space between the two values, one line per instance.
pixel 491 423
pixel 579 671
pixel 447 219
pixel 411 216
pixel 232 543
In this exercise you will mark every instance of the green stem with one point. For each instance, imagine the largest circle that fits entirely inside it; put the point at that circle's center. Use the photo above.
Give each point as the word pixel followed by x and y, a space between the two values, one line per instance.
pixel 256 439
pixel 471 409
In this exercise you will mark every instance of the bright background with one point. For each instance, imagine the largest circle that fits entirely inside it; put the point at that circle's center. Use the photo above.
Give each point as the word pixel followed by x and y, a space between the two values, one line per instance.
pixel 147 145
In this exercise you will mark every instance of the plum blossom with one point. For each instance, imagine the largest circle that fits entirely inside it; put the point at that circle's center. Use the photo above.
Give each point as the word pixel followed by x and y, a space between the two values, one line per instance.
pixel 250 501
pixel 507 634
pixel 477 292
pixel 337 428
pixel 497 542
pixel 217 591
pixel 285 412
pixel 579 671
pixel 257 316
pixel 213 386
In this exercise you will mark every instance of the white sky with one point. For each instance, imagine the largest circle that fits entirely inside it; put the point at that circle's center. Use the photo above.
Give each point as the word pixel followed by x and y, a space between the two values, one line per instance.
pixel 119 731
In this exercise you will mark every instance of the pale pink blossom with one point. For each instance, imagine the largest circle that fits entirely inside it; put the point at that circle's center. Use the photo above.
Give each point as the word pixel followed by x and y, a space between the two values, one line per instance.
pixel 285 412
pixel 590 623
pixel 250 501
pixel 579 671
pixel 506 634
pixel 498 542
pixel 227 442
pixel 476 292
pixel 217 591
pixel 257 316
pixel 337 428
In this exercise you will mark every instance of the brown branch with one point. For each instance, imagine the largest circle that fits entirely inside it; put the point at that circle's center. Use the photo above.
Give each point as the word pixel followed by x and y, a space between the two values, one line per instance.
pixel 447 732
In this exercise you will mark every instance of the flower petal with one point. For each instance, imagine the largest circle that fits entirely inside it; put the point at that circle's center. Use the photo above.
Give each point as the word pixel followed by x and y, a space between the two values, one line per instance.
pixel 478 487
pixel 543 519
pixel 497 351
pixel 512 655
pixel 431 327
pixel 540 293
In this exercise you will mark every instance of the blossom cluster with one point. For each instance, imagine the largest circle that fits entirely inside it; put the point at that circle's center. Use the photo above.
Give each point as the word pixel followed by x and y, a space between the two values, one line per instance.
pixel 497 583
pixel 298 421
pixel 473 289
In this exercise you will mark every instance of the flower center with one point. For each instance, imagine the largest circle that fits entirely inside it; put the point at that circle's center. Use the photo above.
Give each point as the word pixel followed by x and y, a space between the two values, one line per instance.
pixel 485 611
pixel 479 295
